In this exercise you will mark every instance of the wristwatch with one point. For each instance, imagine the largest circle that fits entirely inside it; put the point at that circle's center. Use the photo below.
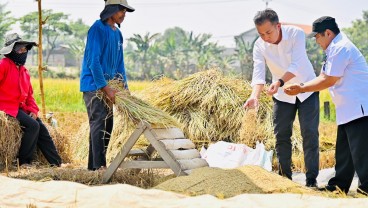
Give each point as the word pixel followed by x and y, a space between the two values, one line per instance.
pixel 281 82
pixel 301 84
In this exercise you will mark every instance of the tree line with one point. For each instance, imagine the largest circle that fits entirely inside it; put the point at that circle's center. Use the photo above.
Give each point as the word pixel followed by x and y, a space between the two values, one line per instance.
pixel 175 53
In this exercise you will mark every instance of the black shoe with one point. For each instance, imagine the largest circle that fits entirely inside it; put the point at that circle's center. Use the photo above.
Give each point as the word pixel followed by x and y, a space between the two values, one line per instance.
pixel 360 191
pixel 328 188
pixel 312 183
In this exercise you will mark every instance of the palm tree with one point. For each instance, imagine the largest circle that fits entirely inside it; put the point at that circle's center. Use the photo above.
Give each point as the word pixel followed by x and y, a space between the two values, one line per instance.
pixel 77 47
pixel 6 21
pixel 225 62
pixel 143 45
pixel 244 52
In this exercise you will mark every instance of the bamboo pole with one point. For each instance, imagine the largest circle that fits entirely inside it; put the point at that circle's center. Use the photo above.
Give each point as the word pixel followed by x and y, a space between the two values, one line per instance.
pixel 40 67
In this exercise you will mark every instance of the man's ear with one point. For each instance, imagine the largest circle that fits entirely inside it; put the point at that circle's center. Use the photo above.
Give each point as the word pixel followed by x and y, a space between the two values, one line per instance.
pixel 328 32
pixel 278 25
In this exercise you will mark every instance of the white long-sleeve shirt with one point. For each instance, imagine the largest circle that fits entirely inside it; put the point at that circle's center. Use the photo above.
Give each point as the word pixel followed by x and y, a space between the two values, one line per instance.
pixel 350 92
pixel 288 56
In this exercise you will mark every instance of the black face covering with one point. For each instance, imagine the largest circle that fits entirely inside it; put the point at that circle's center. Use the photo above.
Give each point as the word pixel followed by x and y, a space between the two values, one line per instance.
pixel 19 59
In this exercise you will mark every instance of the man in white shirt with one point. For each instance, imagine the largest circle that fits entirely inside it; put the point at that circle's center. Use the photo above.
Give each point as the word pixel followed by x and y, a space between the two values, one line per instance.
pixel 345 73
pixel 282 48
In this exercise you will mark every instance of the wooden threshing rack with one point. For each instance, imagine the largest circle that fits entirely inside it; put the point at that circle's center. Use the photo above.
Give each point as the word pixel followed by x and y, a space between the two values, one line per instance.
pixel 175 151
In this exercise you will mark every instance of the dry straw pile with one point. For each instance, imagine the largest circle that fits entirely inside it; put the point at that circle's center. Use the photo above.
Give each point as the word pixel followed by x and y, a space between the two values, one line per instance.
pixel 135 110
pixel 128 112
pixel 62 144
pixel 145 179
pixel 209 107
pixel 10 137
pixel 79 147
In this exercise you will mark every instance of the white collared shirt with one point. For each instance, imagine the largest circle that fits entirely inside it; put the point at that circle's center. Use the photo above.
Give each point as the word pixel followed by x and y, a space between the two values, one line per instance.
pixel 350 92
pixel 288 56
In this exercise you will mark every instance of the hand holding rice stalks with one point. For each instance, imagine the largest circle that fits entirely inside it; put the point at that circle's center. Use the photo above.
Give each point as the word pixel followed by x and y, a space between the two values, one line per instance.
pixel 135 110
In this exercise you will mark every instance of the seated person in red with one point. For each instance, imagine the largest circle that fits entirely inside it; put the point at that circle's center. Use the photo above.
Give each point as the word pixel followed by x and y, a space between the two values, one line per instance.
pixel 16 100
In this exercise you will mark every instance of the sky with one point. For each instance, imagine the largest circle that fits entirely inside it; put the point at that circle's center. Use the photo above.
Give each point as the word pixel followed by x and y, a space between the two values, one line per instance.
pixel 222 18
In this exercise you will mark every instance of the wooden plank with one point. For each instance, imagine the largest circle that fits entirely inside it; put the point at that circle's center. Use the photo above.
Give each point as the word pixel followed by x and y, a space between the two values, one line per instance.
pixel 166 156
pixel 188 172
pixel 169 133
pixel 192 164
pixel 185 154
pixel 137 152
pixel 123 152
pixel 174 144
pixel 144 164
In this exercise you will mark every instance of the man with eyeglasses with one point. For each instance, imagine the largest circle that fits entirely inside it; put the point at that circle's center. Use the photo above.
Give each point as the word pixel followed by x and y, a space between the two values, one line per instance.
pixel 16 100
pixel 345 73
pixel 103 61
pixel 282 48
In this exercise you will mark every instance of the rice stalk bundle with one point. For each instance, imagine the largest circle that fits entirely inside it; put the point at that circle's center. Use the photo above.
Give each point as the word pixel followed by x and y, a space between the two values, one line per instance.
pixel 254 128
pixel 129 111
pixel 62 144
pixel 80 144
pixel 134 110
pixel 119 136
pixel 10 139
pixel 207 104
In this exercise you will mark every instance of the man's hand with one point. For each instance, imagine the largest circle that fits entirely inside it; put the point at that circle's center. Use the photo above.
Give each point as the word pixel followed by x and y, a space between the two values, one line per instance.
pixel 252 102
pixel 33 115
pixel 110 93
pixel 292 89
pixel 274 87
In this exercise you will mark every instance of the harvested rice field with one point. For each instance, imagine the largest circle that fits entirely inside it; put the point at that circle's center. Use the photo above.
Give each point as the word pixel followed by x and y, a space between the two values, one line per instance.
pixel 207 107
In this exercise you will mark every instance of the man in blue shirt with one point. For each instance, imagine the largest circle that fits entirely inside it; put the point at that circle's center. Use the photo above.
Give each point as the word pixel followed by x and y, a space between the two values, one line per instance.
pixel 345 73
pixel 103 61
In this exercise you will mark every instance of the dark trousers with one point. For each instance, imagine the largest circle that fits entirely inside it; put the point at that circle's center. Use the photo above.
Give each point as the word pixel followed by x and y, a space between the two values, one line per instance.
pixel 351 154
pixel 35 134
pixel 101 124
pixel 283 119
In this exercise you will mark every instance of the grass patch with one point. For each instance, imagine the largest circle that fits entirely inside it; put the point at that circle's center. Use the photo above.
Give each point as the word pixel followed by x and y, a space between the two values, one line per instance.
pixel 63 95
pixel 324 96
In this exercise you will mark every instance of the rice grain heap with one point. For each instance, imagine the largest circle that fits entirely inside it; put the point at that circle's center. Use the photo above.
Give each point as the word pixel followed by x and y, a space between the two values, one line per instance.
pixel 10 138
pixel 224 183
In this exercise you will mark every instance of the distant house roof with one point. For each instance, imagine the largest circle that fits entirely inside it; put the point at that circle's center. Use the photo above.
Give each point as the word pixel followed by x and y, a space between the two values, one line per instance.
pixel 306 28
pixel 252 34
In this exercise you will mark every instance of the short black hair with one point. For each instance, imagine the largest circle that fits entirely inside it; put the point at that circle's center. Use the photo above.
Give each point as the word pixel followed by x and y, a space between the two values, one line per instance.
pixel 266 15
pixel 335 30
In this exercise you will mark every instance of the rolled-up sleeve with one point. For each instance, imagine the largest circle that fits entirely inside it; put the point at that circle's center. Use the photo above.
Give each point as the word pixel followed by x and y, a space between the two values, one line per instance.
pixel 259 66
pixel 298 52
pixel 95 52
